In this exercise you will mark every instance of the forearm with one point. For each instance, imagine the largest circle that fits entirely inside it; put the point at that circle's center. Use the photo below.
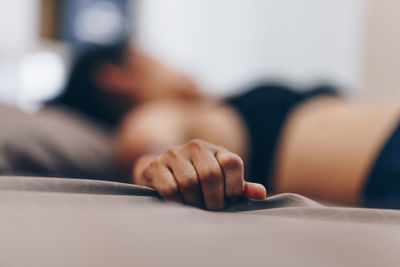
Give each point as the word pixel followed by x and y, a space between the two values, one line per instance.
pixel 154 151
pixel 149 130
pixel 197 173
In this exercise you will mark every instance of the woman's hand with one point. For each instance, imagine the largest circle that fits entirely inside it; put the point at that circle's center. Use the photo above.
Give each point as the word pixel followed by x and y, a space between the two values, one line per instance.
pixel 197 173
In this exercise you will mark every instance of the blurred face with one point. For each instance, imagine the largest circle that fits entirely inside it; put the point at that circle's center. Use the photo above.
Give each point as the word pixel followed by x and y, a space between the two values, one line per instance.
pixel 141 78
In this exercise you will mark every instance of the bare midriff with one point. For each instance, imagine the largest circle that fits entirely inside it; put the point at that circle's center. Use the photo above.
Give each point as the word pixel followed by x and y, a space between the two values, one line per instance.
pixel 328 146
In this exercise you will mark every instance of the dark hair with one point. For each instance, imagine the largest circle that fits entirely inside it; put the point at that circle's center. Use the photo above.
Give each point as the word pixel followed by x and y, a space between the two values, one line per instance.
pixel 82 93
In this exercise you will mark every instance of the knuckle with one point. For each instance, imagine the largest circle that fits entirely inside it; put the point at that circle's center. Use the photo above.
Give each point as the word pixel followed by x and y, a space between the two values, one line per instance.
pixel 147 175
pixel 154 164
pixel 230 160
pixel 172 152
pixel 150 169
pixel 194 144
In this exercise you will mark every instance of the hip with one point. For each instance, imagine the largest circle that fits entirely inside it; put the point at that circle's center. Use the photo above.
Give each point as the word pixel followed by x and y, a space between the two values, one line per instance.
pixel 329 145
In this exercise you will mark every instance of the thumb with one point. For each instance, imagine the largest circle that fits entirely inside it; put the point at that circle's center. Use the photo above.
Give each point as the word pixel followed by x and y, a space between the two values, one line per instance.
pixel 254 190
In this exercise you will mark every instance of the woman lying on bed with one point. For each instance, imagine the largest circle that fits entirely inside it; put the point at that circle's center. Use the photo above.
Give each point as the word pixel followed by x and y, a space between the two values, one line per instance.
pixel 194 150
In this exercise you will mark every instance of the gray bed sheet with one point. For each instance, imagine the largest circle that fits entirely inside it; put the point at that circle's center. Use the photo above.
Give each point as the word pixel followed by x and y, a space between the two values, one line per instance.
pixel 71 222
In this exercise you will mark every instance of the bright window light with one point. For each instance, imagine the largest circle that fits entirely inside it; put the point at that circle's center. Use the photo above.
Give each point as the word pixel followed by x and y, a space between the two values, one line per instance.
pixel 42 76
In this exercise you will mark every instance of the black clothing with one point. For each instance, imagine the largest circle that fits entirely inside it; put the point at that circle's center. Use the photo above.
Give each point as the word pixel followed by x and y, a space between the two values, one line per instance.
pixel 382 186
pixel 264 110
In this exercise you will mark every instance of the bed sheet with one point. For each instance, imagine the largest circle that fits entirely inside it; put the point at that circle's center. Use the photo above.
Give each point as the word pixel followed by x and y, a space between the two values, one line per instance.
pixel 73 222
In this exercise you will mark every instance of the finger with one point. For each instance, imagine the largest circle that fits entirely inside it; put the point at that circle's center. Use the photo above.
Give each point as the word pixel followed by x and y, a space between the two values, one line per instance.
pixel 233 171
pixel 159 177
pixel 211 178
pixel 254 191
pixel 188 182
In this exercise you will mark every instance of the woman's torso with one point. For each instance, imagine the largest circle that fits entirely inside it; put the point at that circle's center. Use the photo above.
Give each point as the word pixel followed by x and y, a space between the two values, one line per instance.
pixel 328 147
pixel 325 145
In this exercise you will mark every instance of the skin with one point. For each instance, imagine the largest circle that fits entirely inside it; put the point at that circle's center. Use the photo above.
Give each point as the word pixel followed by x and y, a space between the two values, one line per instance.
pixel 325 152
pixel 157 142
pixel 197 173
pixel 329 145
pixel 141 78
pixel 149 143
pixel 194 151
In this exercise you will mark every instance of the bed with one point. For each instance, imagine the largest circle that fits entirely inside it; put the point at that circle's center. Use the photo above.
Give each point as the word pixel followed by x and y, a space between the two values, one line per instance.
pixel 86 221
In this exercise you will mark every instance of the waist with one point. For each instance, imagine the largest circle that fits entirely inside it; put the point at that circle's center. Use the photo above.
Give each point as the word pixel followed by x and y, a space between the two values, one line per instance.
pixel 329 145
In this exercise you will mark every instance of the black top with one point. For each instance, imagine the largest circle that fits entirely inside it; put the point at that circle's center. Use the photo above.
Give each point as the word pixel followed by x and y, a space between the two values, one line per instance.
pixel 264 110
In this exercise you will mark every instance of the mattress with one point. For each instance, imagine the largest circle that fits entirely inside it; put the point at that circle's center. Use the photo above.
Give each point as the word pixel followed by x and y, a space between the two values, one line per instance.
pixel 77 222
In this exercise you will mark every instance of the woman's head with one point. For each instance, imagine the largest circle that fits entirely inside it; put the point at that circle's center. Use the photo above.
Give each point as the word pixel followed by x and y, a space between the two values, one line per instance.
pixel 83 92
pixel 106 81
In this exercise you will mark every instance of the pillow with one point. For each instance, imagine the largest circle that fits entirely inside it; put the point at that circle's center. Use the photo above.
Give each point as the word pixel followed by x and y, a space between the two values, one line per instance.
pixel 54 142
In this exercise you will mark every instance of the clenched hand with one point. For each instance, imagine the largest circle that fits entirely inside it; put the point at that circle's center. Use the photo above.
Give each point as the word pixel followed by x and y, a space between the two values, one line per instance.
pixel 197 173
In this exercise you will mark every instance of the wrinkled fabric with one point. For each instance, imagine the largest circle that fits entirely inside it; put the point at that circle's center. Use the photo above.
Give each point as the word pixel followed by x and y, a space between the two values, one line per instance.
pixel 54 142
pixel 74 222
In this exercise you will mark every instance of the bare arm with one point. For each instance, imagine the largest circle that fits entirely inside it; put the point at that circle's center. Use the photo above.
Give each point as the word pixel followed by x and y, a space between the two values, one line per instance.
pixel 154 143
pixel 149 130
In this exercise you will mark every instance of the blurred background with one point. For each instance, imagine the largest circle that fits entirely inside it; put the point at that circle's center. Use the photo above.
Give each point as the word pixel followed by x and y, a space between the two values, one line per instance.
pixel 223 45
